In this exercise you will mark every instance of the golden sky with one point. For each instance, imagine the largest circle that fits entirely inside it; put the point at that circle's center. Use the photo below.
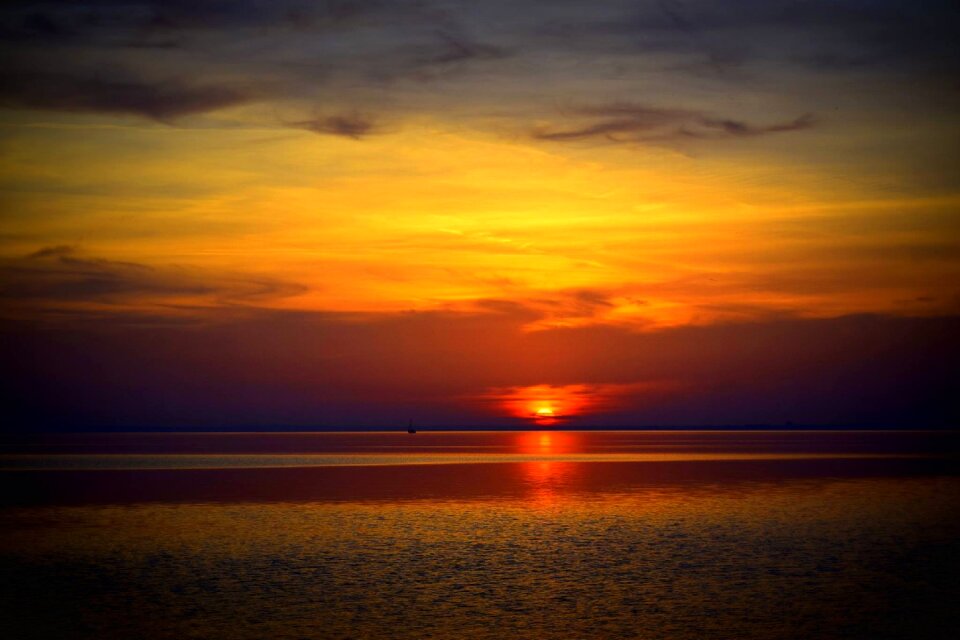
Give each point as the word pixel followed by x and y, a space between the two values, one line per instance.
pixel 643 167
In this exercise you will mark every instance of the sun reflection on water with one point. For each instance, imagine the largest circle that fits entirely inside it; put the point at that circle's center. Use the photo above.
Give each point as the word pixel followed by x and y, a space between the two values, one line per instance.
pixel 546 479
pixel 546 443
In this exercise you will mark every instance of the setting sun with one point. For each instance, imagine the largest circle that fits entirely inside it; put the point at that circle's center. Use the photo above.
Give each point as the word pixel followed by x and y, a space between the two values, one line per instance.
pixel 544 404
pixel 572 403
pixel 545 415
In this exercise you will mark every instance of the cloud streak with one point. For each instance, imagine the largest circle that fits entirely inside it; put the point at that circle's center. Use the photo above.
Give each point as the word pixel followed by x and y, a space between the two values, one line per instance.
pixel 347 125
pixel 62 275
pixel 113 94
pixel 638 123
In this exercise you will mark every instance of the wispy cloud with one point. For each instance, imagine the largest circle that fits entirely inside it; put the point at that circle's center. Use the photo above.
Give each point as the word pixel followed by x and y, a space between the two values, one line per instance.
pixel 63 274
pixel 452 49
pixel 347 125
pixel 633 123
pixel 111 93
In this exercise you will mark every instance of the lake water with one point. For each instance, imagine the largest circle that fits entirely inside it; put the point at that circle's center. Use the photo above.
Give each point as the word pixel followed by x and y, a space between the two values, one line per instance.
pixel 670 535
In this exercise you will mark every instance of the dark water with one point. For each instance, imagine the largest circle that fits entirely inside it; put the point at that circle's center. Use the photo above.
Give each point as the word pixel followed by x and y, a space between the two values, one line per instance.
pixel 481 535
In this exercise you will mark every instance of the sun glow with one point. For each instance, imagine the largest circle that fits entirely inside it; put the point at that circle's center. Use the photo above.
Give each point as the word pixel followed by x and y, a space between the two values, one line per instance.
pixel 545 415
pixel 546 404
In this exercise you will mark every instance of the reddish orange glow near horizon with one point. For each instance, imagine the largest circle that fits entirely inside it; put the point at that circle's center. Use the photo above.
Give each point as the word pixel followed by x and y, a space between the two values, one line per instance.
pixel 547 405
pixel 545 412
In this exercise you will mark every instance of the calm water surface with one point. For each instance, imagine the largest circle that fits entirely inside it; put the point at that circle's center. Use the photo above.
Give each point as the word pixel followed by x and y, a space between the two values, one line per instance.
pixel 481 535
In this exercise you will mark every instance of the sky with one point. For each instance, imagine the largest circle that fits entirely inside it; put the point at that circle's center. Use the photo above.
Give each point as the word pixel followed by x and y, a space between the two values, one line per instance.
pixel 268 214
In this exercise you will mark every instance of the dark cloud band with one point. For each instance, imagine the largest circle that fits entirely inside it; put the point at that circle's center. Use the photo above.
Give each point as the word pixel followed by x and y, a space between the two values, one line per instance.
pixel 111 94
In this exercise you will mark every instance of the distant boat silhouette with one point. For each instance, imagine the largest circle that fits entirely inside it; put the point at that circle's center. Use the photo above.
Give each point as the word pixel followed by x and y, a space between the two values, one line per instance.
pixel 410 427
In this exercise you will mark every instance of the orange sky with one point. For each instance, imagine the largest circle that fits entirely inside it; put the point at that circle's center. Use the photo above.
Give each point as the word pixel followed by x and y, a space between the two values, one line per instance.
pixel 390 160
